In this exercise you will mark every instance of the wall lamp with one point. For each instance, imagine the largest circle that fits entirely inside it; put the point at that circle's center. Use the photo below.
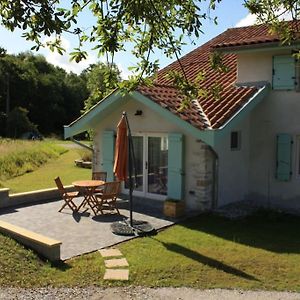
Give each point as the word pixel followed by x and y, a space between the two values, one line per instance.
pixel 138 113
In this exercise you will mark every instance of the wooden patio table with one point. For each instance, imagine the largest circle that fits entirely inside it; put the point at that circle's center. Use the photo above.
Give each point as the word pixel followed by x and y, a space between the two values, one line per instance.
pixel 88 187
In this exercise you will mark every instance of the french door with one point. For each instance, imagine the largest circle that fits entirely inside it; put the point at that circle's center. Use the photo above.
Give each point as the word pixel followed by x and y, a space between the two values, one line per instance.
pixel 151 163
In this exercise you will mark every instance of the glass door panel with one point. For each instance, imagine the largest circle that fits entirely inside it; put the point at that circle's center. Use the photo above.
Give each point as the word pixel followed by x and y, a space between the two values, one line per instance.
pixel 138 147
pixel 157 165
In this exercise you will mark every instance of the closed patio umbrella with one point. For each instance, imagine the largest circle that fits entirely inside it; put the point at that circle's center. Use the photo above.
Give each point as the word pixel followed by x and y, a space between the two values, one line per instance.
pixel 121 150
pixel 124 151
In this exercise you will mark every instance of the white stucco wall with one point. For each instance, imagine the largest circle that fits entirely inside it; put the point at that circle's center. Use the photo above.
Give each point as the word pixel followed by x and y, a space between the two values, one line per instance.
pixel 151 122
pixel 233 166
pixel 257 66
pixel 279 113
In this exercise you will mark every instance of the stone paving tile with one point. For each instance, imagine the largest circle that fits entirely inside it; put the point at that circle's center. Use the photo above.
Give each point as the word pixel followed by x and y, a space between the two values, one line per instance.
pixel 110 252
pixel 116 274
pixel 118 262
pixel 80 232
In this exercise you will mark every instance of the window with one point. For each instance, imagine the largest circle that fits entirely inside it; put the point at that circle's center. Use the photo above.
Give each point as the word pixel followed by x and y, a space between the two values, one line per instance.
pixel 298 156
pixel 284 72
pixel 235 140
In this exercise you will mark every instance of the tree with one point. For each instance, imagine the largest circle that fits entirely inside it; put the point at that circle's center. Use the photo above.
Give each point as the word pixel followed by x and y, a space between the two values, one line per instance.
pixel 148 24
pixel 19 122
pixel 273 12
pixel 97 87
pixel 51 96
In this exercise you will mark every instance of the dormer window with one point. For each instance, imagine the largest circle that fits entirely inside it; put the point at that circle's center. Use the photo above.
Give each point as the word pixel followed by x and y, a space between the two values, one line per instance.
pixel 284 72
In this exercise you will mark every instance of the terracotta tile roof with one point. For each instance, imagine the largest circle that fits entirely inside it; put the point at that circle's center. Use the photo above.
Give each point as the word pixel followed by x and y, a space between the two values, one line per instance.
pixel 252 35
pixel 209 113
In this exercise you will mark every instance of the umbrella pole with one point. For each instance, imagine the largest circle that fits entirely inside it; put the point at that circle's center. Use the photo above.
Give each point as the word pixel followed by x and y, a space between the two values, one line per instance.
pixel 130 161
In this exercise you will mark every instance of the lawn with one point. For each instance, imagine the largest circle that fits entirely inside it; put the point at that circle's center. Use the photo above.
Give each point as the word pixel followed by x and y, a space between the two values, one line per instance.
pixel 43 177
pixel 260 252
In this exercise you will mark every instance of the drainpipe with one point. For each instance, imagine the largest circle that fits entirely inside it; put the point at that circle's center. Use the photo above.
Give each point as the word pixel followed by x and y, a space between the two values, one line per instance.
pixel 215 178
pixel 86 147
pixel 81 144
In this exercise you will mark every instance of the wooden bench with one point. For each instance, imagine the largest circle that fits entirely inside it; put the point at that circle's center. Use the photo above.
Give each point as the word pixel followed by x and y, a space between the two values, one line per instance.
pixel 45 246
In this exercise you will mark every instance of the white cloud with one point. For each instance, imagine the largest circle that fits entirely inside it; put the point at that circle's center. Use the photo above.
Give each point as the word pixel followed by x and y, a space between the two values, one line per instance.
pixel 125 73
pixel 63 61
pixel 247 21
pixel 251 19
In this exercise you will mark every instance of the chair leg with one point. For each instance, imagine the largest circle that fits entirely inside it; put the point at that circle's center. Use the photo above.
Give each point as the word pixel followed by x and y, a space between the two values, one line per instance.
pixel 70 203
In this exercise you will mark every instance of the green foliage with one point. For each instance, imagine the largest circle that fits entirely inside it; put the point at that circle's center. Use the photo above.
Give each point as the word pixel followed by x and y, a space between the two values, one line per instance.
pixel 20 157
pixel 101 80
pixel 19 123
pixel 273 12
pixel 85 155
pixel 149 25
pixel 187 89
pixel 52 97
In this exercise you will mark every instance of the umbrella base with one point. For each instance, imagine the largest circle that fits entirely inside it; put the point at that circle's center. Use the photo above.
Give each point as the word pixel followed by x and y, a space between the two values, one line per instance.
pixel 138 228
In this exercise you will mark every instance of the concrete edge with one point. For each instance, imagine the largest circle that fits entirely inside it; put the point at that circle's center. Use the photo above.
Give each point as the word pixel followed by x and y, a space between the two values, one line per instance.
pixel 7 200
pixel 47 247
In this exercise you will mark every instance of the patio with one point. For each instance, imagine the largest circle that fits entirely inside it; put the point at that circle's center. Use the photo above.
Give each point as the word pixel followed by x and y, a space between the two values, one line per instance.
pixel 81 232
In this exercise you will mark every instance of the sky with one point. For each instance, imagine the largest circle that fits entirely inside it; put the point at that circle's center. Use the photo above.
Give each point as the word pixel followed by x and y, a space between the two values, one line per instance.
pixel 230 13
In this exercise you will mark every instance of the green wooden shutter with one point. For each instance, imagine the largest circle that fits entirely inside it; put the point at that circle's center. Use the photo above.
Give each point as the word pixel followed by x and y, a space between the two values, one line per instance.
pixel 284 72
pixel 108 141
pixel 284 157
pixel 175 166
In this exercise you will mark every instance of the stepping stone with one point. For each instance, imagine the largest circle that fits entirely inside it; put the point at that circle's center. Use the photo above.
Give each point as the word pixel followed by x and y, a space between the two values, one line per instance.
pixel 118 262
pixel 116 274
pixel 110 252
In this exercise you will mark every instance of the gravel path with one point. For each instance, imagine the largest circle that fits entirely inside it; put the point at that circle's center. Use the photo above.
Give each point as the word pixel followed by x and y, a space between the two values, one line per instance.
pixel 141 293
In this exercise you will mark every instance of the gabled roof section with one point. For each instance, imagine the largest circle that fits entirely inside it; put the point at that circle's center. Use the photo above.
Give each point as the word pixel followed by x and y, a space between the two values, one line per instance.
pixel 209 113
pixel 204 114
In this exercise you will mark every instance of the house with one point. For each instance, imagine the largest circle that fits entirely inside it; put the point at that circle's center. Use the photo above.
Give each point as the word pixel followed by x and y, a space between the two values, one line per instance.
pixel 245 145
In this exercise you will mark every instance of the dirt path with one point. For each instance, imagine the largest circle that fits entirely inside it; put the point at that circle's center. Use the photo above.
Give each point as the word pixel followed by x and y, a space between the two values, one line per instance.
pixel 141 293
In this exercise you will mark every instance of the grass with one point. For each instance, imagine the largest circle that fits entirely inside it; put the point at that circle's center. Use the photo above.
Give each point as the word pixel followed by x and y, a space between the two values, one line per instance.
pixel 19 157
pixel 260 252
pixel 43 177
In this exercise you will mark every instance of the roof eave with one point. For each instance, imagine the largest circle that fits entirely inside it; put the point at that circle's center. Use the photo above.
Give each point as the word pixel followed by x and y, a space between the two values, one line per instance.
pixel 86 121
pixel 259 47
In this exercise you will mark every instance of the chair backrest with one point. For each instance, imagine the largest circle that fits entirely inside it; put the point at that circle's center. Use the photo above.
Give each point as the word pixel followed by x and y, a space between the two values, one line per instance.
pixel 99 176
pixel 59 185
pixel 111 189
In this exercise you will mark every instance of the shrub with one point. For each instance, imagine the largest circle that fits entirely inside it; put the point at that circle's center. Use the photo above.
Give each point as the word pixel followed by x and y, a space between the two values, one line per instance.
pixel 85 155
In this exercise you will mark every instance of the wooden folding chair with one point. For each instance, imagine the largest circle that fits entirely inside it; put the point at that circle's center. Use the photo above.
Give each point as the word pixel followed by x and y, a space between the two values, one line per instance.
pixel 99 176
pixel 66 196
pixel 108 198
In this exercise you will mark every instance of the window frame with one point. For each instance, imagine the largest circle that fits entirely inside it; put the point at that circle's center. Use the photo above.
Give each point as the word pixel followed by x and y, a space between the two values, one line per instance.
pixel 239 140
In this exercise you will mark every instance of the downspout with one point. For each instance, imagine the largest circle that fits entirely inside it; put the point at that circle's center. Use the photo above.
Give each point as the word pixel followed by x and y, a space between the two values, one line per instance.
pixel 86 147
pixel 81 144
pixel 215 178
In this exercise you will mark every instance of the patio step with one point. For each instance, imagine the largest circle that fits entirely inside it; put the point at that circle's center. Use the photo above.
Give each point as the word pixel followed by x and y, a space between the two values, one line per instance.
pixel 110 252
pixel 111 271
pixel 117 262
pixel 45 246
pixel 116 274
